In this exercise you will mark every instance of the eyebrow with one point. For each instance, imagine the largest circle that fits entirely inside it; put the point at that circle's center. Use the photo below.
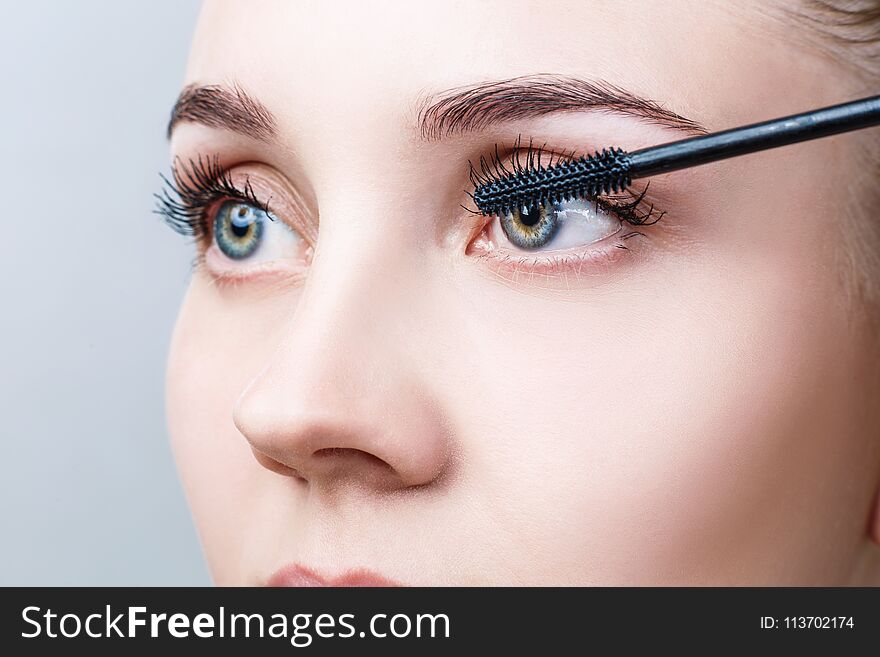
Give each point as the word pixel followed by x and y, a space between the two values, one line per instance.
pixel 219 106
pixel 478 106
pixel 454 111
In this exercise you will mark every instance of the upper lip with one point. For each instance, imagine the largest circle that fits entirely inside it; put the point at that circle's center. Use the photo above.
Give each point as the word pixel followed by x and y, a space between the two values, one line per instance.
pixel 300 576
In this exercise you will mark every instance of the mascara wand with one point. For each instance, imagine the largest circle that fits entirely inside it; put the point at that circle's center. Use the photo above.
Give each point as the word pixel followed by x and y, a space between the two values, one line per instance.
pixel 613 169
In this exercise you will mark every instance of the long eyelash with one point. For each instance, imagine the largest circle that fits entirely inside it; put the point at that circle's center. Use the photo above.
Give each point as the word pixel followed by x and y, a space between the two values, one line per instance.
pixel 629 205
pixel 185 197
pixel 637 210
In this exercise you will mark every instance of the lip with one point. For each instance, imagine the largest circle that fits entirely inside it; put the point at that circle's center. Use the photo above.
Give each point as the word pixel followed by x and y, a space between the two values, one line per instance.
pixel 297 576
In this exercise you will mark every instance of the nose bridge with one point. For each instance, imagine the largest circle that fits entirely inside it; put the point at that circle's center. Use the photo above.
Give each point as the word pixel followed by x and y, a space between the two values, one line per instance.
pixel 351 320
pixel 340 396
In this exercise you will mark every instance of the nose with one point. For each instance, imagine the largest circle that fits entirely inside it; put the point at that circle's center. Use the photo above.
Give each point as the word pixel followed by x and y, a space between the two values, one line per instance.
pixel 342 398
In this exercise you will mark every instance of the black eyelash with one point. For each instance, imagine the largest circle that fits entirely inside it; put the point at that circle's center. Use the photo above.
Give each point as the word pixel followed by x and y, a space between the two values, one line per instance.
pixel 629 205
pixel 193 187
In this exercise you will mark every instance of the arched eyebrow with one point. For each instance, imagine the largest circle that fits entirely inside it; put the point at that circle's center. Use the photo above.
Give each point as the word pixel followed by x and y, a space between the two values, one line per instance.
pixel 478 106
pixel 226 107
pixel 454 111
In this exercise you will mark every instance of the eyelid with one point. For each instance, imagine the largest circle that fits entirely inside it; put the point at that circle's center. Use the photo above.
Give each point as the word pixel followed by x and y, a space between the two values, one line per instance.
pixel 269 270
pixel 568 269
pixel 200 183
pixel 518 159
pixel 283 200
pixel 608 256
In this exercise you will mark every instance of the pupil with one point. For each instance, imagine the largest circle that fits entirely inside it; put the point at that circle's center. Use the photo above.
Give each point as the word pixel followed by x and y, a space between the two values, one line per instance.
pixel 240 230
pixel 530 216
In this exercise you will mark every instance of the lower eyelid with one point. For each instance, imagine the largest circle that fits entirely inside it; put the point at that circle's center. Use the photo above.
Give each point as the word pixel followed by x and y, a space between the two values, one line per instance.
pixel 216 264
pixel 580 261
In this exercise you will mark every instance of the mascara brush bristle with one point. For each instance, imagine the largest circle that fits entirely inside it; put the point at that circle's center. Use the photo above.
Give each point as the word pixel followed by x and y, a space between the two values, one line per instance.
pixel 584 177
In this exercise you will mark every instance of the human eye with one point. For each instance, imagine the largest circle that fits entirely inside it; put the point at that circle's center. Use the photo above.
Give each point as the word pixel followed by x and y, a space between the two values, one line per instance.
pixel 237 234
pixel 554 226
pixel 552 232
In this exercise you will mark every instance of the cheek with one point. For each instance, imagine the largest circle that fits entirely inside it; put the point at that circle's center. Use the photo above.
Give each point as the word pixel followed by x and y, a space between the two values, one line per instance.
pixel 674 431
pixel 216 350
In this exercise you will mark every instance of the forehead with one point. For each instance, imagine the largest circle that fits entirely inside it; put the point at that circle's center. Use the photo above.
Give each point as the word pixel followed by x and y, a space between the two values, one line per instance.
pixel 331 62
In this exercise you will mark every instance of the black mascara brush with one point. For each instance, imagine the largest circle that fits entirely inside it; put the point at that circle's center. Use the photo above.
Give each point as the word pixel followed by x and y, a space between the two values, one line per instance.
pixel 614 169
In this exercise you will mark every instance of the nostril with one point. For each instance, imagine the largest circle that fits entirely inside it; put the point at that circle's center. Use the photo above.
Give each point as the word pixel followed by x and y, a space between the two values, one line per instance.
pixel 276 466
pixel 350 453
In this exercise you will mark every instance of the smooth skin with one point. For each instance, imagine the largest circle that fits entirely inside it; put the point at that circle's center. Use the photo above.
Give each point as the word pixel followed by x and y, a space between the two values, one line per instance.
pixel 398 392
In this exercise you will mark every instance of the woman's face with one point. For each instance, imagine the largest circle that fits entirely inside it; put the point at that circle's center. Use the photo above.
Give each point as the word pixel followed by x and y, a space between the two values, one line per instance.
pixel 381 380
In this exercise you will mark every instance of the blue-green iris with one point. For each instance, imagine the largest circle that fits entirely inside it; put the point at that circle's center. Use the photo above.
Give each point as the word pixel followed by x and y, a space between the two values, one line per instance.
pixel 238 229
pixel 531 228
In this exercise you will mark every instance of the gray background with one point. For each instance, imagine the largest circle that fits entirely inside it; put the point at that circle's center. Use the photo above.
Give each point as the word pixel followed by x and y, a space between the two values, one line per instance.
pixel 90 282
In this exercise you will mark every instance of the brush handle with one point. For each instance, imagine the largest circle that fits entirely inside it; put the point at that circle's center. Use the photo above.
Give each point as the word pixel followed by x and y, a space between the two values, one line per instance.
pixel 756 137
